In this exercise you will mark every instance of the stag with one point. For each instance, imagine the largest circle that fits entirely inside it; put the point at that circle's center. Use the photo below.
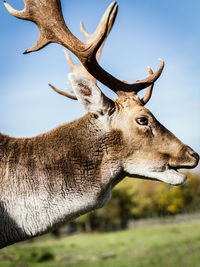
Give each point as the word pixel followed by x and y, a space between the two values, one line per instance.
pixel 57 176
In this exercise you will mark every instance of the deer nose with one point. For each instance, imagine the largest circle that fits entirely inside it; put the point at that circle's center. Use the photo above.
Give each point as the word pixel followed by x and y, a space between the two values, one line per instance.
pixel 193 154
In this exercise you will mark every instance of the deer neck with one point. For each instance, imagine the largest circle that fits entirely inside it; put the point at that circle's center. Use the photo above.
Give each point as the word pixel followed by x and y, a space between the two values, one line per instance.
pixel 58 176
pixel 82 155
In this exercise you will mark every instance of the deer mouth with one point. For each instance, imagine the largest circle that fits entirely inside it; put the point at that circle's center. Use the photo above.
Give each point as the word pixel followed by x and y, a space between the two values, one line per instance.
pixel 168 174
pixel 159 171
pixel 174 176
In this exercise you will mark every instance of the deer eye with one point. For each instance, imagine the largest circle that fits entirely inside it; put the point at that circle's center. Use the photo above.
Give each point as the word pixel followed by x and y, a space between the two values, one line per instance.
pixel 142 121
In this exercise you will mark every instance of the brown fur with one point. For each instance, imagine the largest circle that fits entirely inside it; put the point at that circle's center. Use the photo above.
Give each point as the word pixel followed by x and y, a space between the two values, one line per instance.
pixel 70 155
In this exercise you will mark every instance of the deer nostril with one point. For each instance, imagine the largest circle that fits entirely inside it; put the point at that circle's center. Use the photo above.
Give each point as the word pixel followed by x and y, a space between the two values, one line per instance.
pixel 191 152
pixel 195 155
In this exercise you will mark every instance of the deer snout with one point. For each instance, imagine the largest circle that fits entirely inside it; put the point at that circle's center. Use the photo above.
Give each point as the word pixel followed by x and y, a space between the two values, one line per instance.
pixel 186 158
pixel 194 156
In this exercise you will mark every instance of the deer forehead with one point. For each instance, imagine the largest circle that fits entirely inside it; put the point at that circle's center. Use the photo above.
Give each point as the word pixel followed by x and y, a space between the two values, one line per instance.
pixel 129 109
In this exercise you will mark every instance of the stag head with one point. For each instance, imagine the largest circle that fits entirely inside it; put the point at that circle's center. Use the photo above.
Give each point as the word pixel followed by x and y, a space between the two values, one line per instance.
pixel 149 150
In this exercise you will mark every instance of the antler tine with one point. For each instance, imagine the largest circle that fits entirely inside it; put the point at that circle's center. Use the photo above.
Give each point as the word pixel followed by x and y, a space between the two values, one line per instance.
pixel 48 17
pixel 22 14
pixel 71 63
pixel 149 91
pixel 91 37
pixel 87 36
pixel 63 93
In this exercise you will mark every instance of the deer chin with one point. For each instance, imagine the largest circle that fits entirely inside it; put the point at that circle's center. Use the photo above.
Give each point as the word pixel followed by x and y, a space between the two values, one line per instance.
pixel 168 175
pixel 171 176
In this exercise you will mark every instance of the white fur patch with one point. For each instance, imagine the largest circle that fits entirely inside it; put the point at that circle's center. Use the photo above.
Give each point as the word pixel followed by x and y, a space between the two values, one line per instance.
pixel 35 214
pixel 168 176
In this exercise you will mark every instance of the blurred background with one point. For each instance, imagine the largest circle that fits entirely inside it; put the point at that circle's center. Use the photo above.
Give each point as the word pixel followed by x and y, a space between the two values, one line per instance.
pixel 163 220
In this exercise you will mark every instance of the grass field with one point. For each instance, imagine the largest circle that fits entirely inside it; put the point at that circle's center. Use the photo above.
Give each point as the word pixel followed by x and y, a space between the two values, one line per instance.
pixel 166 246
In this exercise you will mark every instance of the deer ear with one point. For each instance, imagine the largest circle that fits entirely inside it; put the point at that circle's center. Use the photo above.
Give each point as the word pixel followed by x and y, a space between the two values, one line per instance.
pixel 90 96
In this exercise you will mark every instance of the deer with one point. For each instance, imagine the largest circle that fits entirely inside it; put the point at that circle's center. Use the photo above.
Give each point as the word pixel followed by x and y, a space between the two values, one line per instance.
pixel 54 177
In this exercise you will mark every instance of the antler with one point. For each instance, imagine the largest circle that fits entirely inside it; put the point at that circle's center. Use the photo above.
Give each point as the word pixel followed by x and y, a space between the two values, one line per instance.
pixel 80 69
pixel 149 91
pixel 62 92
pixel 47 15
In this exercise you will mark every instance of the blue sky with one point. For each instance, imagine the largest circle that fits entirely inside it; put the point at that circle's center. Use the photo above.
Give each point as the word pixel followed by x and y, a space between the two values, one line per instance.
pixel 143 32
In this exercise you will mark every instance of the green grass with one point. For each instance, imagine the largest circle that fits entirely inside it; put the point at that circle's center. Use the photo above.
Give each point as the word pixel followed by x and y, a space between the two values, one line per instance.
pixel 166 246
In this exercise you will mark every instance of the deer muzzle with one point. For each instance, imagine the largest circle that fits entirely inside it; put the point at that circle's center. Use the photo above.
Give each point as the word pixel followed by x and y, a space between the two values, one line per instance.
pixel 186 158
